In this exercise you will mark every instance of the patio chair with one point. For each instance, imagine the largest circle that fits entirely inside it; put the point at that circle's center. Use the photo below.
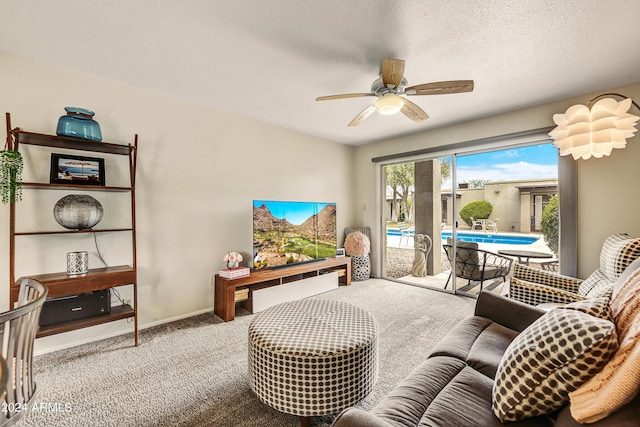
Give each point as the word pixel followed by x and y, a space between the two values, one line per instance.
pixel 492 225
pixel 534 286
pixel 18 333
pixel 477 223
pixel 405 232
pixel 476 265
pixel 552 265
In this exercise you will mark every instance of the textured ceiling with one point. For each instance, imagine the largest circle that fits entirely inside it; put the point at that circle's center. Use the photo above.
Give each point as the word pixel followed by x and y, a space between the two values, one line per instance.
pixel 269 60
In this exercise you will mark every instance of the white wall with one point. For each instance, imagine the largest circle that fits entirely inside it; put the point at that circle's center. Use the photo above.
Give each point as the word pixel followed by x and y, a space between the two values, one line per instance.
pixel 608 187
pixel 198 171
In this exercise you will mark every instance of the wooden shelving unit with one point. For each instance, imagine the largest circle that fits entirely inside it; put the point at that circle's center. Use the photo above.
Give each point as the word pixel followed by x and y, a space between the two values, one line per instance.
pixel 230 291
pixel 45 186
pixel 62 284
pixel 44 140
pixel 118 312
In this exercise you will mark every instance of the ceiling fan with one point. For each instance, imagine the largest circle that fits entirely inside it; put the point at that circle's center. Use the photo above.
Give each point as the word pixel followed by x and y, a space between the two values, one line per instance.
pixel 391 89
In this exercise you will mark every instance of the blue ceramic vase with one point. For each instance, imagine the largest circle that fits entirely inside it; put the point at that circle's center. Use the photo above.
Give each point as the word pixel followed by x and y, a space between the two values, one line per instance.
pixel 79 123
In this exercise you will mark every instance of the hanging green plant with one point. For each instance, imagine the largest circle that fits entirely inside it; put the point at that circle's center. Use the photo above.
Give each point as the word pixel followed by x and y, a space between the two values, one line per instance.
pixel 10 176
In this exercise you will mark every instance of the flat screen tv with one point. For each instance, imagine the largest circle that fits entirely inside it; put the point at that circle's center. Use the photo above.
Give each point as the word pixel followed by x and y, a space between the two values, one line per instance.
pixel 286 233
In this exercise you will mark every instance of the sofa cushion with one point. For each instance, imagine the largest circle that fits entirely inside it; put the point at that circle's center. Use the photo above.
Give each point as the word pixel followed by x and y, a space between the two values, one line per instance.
pixel 487 350
pixel 478 341
pixel 458 341
pixel 549 359
pixel 443 391
pixel 359 417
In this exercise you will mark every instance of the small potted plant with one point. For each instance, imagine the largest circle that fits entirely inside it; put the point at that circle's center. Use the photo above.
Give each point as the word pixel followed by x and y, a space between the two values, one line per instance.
pixel 10 176
pixel 233 259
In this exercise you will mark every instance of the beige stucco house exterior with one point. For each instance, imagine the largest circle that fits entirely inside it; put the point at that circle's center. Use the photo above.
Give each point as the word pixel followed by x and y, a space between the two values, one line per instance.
pixel 517 205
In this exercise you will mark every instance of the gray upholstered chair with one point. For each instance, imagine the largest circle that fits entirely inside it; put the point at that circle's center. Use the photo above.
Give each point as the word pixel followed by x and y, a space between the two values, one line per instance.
pixel 18 333
pixel 534 286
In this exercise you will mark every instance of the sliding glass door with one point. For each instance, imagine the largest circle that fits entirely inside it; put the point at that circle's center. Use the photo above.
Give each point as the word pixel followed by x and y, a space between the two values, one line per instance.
pixel 416 210
pixel 496 202
pixel 507 209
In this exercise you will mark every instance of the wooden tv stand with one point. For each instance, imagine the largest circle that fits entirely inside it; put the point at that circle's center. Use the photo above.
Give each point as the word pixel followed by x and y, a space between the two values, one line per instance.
pixel 226 289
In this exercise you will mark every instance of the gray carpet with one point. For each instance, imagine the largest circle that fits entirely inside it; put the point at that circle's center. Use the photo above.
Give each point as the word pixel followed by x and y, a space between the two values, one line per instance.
pixel 194 372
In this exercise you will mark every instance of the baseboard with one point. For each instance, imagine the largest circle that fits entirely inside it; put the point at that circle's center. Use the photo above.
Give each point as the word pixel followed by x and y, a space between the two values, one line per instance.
pixel 66 345
pixel 176 318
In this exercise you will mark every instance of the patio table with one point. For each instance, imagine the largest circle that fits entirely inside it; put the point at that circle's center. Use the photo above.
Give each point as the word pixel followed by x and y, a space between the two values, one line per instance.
pixel 524 255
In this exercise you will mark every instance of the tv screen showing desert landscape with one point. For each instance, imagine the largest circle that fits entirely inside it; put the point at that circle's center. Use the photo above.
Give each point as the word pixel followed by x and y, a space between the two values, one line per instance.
pixel 287 233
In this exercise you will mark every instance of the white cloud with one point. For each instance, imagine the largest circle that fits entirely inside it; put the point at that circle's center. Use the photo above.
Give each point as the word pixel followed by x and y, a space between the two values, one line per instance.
pixel 505 172
pixel 508 153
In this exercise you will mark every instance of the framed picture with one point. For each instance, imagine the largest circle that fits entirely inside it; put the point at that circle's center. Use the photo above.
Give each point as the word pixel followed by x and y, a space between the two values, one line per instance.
pixel 77 170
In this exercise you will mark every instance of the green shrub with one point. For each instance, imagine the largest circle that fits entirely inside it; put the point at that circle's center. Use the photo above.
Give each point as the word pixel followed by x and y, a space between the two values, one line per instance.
pixel 550 224
pixel 479 209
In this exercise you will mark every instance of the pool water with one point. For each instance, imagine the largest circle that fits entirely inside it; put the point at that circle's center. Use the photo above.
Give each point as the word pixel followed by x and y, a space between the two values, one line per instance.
pixel 396 232
pixel 503 239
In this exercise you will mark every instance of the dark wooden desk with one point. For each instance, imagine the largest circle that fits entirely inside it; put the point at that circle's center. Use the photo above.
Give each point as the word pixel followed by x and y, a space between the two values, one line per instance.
pixel 524 255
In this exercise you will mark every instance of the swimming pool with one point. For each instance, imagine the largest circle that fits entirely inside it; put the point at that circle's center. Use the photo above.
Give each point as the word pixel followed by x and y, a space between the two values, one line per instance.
pixel 396 232
pixel 504 239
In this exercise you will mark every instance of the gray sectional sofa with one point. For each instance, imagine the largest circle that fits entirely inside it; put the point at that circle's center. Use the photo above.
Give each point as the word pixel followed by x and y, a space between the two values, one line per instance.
pixel 454 385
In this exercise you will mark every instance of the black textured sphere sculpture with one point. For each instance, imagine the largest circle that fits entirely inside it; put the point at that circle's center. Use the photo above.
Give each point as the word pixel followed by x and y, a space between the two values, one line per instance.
pixel 77 212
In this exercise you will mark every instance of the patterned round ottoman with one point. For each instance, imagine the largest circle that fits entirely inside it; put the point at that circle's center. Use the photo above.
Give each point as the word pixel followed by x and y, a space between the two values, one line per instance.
pixel 313 357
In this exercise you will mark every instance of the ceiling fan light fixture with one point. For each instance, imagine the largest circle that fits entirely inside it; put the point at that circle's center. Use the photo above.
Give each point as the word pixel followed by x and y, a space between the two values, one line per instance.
pixel 394 95
pixel 389 104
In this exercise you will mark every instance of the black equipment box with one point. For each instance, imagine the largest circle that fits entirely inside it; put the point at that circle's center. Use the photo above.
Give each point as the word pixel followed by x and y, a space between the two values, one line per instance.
pixel 74 307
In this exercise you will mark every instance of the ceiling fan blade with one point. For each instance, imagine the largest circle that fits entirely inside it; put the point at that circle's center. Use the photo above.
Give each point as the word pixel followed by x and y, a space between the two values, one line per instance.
pixel 363 115
pixel 441 88
pixel 344 95
pixel 392 71
pixel 413 111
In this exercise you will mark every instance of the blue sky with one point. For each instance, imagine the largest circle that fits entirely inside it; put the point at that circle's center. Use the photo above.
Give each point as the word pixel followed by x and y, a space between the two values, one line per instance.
pixel 294 212
pixel 534 162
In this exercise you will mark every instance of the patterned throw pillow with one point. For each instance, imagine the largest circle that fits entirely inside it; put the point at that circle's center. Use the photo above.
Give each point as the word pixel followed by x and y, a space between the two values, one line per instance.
pixel 552 357
pixel 618 251
pixel 598 307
